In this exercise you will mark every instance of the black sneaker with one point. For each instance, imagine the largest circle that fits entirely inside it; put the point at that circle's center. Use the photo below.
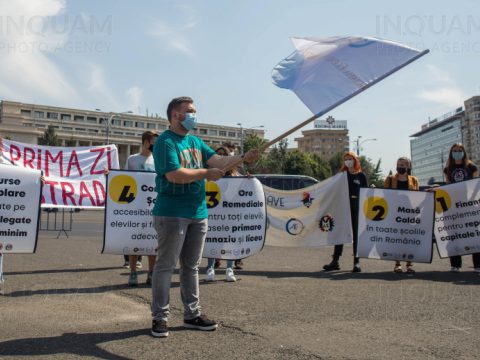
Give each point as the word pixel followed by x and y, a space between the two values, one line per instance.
pixel 159 328
pixel 149 279
pixel 356 268
pixel 200 323
pixel 332 266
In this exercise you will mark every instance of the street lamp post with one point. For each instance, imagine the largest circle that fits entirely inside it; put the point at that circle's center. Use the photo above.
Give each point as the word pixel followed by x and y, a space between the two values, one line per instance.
pixel 109 120
pixel 242 132
pixel 360 143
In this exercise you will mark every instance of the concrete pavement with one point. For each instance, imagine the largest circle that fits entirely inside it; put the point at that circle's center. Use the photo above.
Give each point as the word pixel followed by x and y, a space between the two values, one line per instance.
pixel 68 301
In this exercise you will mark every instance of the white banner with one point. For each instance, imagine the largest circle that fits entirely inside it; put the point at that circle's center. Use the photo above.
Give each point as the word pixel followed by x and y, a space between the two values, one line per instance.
pixel 74 176
pixel 236 225
pixel 395 225
pixel 313 216
pixel 20 206
pixel 457 218
pixel 236 218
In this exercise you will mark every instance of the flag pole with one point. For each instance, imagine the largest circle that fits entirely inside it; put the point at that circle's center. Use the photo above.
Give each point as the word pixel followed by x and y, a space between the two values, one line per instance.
pixel 331 107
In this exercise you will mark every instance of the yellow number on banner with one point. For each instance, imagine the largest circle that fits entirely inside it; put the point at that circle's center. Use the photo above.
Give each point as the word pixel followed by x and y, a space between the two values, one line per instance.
pixel 122 189
pixel 442 201
pixel 213 194
pixel 375 208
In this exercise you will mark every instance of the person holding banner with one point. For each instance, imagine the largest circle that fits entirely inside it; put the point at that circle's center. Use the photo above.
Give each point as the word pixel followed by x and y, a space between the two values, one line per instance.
pixel 460 168
pixel 183 162
pixel 143 161
pixel 402 180
pixel 356 180
pixel 213 263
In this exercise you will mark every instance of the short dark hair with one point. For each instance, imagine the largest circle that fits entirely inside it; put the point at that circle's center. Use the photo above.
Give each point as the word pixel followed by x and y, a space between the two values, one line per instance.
pixel 175 105
pixel 148 136
pixel 229 145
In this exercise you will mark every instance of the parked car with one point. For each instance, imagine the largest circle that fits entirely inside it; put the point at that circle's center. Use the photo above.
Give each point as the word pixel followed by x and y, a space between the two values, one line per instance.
pixel 286 182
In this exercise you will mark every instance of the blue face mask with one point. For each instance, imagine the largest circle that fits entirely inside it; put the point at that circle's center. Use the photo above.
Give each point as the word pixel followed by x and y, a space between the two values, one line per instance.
pixel 190 121
pixel 457 155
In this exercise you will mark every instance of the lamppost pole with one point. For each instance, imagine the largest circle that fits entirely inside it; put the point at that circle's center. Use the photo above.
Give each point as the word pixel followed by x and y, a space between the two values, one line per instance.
pixel 241 137
pixel 360 143
pixel 109 121
pixel 242 134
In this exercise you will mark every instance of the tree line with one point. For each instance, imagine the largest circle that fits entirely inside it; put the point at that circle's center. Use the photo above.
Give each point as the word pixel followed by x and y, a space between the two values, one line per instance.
pixel 281 160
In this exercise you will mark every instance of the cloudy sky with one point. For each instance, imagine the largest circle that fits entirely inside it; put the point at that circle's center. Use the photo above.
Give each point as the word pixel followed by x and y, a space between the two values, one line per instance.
pixel 137 55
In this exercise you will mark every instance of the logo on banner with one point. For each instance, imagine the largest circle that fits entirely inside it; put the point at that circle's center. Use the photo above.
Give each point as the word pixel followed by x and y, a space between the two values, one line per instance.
pixel 294 227
pixel 442 201
pixel 307 199
pixel 326 223
pixel 213 194
pixel 9 247
pixel 375 208
pixel 122 189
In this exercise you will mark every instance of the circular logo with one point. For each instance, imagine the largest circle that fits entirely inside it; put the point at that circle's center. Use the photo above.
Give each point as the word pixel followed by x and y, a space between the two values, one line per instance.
pixel 213 194
pixel 442 201
pixel 294 226
pixel 9 247
pixel 375 208
pixel 122 189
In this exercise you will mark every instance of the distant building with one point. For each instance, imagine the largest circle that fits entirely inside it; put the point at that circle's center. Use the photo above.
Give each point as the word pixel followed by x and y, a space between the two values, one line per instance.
pixel 328 138
pixel 431 145
pixel 27 123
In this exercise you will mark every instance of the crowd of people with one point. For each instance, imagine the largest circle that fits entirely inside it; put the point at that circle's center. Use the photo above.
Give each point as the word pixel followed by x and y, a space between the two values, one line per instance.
pixel 182 163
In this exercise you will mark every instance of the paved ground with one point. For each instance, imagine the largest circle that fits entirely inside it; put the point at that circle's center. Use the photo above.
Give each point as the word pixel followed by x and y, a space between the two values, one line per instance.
pixel 69 301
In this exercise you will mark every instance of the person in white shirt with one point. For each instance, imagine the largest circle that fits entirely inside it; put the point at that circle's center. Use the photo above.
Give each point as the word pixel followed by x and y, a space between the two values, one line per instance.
pixel 143 161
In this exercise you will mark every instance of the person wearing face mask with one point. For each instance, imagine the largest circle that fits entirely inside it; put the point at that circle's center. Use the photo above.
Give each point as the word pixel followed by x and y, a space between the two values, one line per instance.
pixel 460 168
pixel 402 180
pixel 183 162
pixel 215 263
pixel 143 161
pixel 356 180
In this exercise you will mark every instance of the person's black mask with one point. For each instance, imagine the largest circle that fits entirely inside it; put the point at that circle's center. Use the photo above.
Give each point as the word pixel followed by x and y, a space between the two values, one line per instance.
pixel 401 170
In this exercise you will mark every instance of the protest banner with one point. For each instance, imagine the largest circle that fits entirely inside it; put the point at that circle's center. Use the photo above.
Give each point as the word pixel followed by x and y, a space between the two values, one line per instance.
pixel 74 176
pixel 395 225
pixel 236 207
pixel 20 191
pixel 309 217
pixel 457 218
pixel 237 218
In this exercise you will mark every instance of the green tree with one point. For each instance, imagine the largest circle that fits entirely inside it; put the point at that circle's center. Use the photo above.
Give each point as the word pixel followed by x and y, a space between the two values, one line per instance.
pixel 70 142
pixel 299 163
pixel 336 162
pixel 49 137
pixel 253 141
pixel 323 169
pixel 371 171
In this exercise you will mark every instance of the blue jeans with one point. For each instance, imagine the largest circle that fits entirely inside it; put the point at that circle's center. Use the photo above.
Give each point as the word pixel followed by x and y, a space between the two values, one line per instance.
pixel 211 263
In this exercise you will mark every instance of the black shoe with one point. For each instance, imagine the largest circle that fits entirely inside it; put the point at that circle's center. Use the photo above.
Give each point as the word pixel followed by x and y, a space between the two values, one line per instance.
pixel 200 323
pixel 356 268
pixel 238 264
pixel 332 266
pixel 159 328
pixel 149 279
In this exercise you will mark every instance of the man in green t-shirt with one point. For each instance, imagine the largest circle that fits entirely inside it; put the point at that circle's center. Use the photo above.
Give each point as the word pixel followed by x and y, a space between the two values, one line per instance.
pixel 183 162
